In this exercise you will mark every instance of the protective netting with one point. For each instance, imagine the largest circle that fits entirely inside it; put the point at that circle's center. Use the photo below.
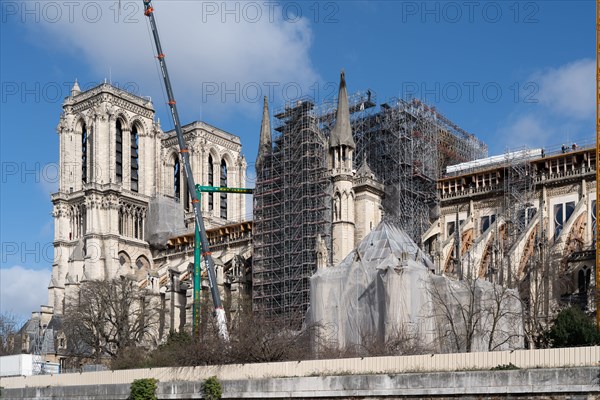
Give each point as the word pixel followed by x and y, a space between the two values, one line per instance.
pixel 385 289
pixel 164 220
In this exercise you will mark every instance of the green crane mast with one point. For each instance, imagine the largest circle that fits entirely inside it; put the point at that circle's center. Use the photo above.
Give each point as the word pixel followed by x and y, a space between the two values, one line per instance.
pixel 198 251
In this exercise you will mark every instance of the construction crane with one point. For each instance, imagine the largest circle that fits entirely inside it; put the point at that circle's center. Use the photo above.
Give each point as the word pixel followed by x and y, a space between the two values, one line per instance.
pixel 191 185
pixel 197 248
pixel 597 161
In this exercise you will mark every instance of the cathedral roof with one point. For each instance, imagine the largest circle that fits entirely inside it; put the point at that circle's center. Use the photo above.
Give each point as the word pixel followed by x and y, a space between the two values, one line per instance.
pixel 341 134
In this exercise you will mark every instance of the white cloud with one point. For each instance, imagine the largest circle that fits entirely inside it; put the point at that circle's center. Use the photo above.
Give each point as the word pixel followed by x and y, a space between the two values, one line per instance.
pixel 569 89
pixel 524 130
pixel 232 55
pixel 23 290
pixel 564 113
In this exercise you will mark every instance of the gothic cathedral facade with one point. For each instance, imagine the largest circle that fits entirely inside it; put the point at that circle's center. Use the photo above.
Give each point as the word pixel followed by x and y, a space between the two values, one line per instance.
pixel 114 160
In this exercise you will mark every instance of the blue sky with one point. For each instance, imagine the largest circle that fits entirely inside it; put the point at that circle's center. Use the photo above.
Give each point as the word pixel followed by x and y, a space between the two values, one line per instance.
pixel 513 73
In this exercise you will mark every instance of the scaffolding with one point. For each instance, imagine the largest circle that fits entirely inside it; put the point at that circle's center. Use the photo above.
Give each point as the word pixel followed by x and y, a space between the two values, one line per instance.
pixel 455 145
pixel 292 208
pixel 407 145
pixel 519 193
pixel 399 144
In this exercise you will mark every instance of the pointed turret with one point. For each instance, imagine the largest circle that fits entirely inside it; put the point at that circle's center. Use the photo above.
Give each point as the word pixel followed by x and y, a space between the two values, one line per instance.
pixel 341 134
pixel 264 146
pixel 75 90
pixel 365 170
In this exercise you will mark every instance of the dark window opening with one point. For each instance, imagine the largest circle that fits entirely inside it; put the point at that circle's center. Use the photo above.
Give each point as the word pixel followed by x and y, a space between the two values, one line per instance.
pixel 562 213
pixel 211 182
pixel 583 284
pixel 450 228
pixel 134 159
pixel 569 209
pixel 558 220
pixel 487 221
pixel 119 152
pixel 120 222
pixel 223 184
pixel 83 220
pixel 84 147
pixel 176 178
pixel 531 213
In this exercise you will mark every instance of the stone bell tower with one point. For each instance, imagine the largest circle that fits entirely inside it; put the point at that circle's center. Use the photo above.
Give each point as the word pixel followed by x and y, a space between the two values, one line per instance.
pixel 107 164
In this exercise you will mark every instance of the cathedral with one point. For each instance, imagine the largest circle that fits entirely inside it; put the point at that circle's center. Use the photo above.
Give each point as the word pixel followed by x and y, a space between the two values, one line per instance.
pixel 121 183
pixel 326 179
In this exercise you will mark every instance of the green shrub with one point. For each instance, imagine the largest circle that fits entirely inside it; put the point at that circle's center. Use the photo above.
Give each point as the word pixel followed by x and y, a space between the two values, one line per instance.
pixel 212 388
pixel 505 367
pixel 143 389
pixel 572 327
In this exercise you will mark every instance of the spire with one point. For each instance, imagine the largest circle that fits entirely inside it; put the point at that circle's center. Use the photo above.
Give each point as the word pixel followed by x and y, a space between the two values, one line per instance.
pixel 365 170
pixel 341 134
pixel 75 90
pixel 264 146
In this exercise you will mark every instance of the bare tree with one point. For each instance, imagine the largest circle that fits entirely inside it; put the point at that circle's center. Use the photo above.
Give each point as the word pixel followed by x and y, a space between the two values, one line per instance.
pixel 472 313
pixel 107 317
pixel 534 291
pixel 8 334
pixel 502 316
pixel 456 313
pixel 252 339
pixel 399 341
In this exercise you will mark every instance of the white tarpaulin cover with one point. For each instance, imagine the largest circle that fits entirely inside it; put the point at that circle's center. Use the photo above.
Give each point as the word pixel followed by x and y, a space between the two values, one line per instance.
pixel 164 220
pixel 385 287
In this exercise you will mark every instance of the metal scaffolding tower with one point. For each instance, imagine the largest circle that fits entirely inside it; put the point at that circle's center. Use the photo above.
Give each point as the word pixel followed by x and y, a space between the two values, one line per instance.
pixel 407 145
pixel 518 207
pixel 400 145
pixel 292 208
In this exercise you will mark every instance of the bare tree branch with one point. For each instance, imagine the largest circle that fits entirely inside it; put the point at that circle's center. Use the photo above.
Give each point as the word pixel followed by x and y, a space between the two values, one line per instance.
pixel 107 317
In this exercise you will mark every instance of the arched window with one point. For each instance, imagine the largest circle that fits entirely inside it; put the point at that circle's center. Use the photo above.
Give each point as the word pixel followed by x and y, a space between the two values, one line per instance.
pixel 119 152
pixel 142 263
pixel 136 224
pixel 124 259
pixel 84 153
pixel 583 283
pixel 223 184
pixel 83 221
pixel 134 158
pixel 176 178
pixel 211 182
pixel 121 221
